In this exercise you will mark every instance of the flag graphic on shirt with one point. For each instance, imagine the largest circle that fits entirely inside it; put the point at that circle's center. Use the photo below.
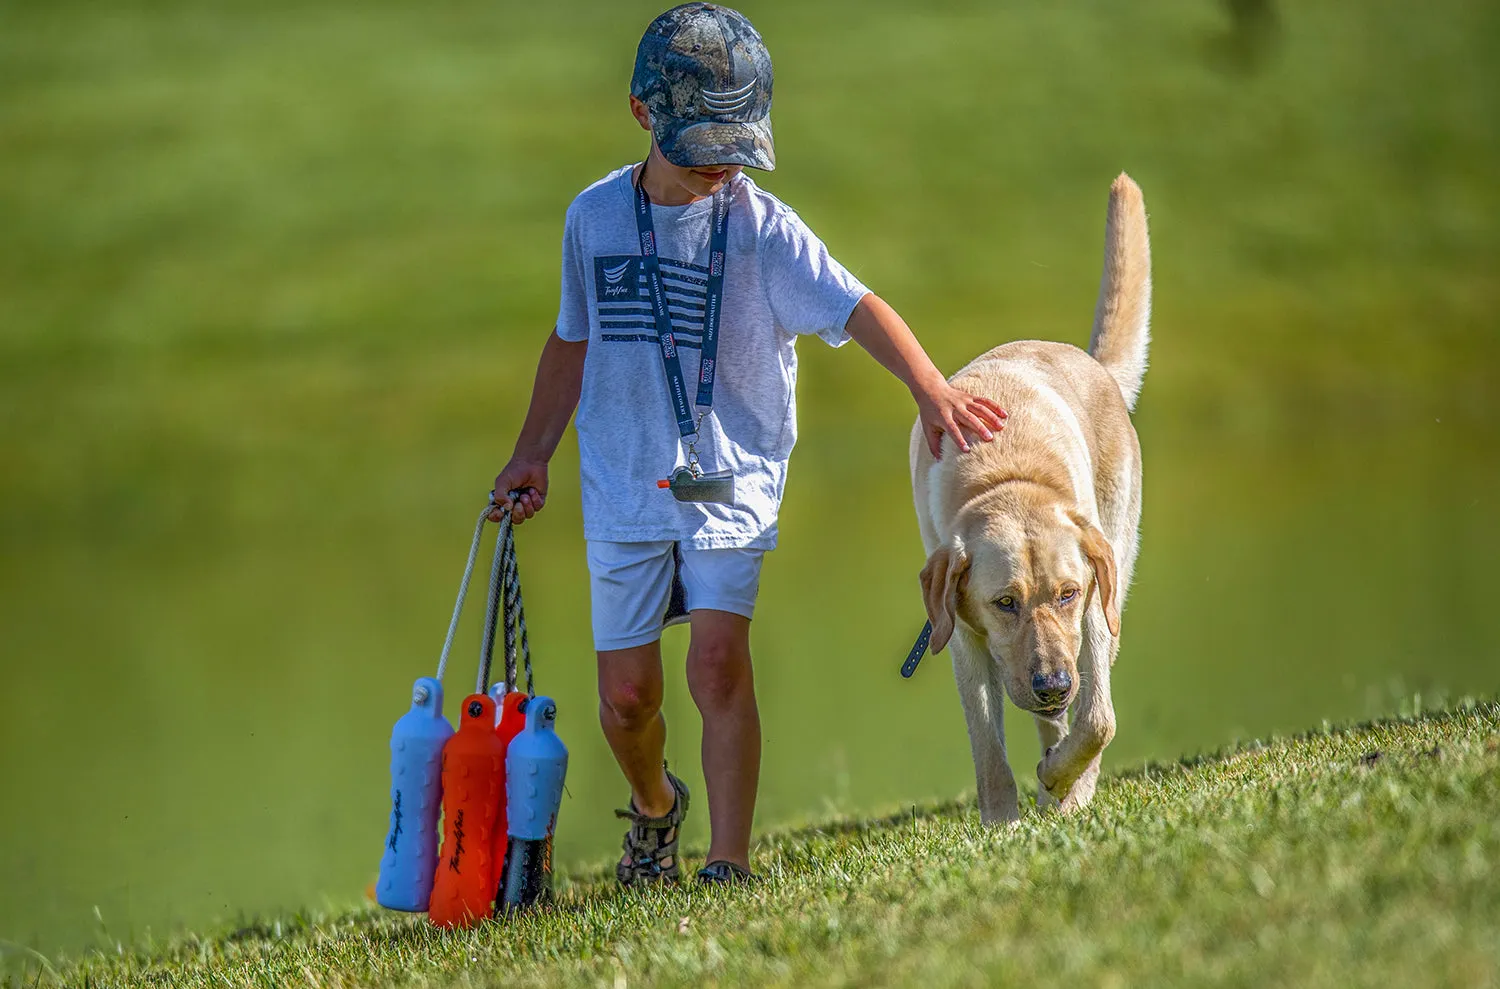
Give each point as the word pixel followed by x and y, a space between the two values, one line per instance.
pixel 623 306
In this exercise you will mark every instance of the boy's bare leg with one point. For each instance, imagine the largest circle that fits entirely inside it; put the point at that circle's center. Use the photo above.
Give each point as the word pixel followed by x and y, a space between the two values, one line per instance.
pixel 630 712
pixel 719 677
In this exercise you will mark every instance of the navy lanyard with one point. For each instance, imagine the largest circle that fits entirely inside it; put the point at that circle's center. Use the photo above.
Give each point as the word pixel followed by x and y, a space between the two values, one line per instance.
pixel 717 244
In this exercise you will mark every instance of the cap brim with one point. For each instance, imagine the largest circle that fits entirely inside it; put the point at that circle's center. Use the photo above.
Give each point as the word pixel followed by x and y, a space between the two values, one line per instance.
pixel 693 144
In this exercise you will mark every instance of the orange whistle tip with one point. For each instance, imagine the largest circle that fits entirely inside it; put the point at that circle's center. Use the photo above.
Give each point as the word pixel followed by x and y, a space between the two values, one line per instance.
pixel 663 484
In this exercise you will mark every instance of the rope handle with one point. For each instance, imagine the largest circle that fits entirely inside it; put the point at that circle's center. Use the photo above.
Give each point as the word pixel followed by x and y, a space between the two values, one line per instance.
pixel 504 598
pixel 505 603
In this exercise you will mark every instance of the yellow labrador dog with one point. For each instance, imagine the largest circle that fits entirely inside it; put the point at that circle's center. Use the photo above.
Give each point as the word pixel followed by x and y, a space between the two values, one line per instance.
pixel 1032 538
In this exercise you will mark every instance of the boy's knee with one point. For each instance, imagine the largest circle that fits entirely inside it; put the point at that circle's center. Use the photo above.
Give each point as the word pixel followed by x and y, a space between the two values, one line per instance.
pixel 718 671
pixel 630 704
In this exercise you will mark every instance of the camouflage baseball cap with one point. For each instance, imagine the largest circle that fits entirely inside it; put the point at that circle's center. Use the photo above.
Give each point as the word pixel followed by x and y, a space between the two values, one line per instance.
pixel 705 75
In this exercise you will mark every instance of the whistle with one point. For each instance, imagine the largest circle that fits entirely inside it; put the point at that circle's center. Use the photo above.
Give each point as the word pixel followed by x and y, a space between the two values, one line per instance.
pixel 535 768
pixel 473 787
pixel 411 844
pixel 716 487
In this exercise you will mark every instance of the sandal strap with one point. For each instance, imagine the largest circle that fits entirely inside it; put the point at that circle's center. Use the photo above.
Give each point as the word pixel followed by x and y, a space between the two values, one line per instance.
pixel 724 871
pixel 651 843
pixel 642 821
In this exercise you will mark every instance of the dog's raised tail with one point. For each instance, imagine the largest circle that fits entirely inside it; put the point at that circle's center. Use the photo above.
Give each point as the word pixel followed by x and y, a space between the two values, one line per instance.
pixel 1122 318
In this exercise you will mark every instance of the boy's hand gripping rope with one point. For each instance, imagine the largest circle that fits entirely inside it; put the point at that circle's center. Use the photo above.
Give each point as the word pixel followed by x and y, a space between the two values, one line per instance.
pixel 504 596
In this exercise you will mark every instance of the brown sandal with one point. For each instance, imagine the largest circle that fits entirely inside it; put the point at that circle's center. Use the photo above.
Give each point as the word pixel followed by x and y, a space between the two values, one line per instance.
pixel 651 842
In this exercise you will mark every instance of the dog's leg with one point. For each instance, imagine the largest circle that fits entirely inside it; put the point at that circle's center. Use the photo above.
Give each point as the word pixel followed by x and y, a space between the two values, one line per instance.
pixel 1049 731
pixel 1082 790
pixel 1069 771
pixel 984 710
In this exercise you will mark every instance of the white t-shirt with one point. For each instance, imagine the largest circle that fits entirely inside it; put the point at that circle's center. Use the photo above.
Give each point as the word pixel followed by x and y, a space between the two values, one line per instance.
pixel 779 282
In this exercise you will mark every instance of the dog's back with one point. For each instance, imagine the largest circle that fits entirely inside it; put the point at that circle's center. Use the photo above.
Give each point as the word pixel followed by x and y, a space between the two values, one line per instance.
pixel 1069 408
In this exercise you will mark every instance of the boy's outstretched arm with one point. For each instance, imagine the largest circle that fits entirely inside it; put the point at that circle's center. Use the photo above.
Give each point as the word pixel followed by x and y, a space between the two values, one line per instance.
pixel 877 327
pixel 554 397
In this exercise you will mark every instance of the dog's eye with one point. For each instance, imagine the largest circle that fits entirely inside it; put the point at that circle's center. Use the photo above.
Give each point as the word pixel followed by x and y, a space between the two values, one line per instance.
pixel 1068 595
pixel 1007 603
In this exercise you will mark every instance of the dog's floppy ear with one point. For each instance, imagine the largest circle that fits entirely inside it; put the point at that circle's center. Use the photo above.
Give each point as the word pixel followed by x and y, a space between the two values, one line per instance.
pixel 1102 557
pixel 941 579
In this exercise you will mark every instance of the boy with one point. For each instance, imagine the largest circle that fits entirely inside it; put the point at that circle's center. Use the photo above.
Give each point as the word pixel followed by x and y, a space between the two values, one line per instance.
pixel 654 255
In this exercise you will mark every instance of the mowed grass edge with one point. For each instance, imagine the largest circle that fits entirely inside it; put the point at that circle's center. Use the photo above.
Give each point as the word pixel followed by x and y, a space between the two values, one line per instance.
pixel 1365 855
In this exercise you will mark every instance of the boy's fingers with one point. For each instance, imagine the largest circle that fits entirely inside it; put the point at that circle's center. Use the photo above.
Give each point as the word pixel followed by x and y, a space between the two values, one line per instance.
pixel 958 434
pixel 992 406
pixel 935 442
pixel 978 424
pixel 527 503
pixel 986 411
pixel 983 417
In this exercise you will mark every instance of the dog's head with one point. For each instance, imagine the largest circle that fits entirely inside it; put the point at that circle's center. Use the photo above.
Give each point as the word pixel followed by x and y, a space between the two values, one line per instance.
pixel 1021 580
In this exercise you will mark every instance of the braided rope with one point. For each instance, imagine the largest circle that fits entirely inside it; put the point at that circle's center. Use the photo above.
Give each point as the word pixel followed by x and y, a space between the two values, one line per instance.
pixel 506 579
pixel 504 608
pixel 491 613
pixel 463 592
pixel 515 612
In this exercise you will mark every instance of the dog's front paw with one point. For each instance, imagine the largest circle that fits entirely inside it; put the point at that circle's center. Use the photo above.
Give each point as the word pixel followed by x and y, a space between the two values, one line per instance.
pixel 1053 775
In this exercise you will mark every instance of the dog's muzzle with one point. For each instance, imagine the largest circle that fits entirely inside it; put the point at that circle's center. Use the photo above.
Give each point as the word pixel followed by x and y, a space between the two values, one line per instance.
pixel 1052 691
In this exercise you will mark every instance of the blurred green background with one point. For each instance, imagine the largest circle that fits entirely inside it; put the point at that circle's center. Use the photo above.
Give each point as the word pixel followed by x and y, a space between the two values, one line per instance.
pixel 274 276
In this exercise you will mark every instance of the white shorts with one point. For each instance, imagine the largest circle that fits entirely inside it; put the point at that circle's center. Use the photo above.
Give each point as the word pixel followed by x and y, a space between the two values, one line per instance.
pixel 639 588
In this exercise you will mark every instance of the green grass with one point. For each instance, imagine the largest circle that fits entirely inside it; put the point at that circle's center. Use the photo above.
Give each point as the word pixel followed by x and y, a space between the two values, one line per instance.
pixel 1356 856
pixel 274 275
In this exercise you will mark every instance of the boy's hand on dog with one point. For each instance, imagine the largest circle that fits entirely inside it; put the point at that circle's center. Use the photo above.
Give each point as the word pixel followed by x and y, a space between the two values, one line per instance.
pixel 945 409
pixel 529 478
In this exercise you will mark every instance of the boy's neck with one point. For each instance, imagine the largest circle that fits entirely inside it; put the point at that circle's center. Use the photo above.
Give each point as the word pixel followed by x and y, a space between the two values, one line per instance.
pixel 652 175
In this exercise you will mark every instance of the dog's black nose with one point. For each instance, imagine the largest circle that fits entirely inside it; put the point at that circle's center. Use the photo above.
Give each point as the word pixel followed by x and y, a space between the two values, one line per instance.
pixel 1052 689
